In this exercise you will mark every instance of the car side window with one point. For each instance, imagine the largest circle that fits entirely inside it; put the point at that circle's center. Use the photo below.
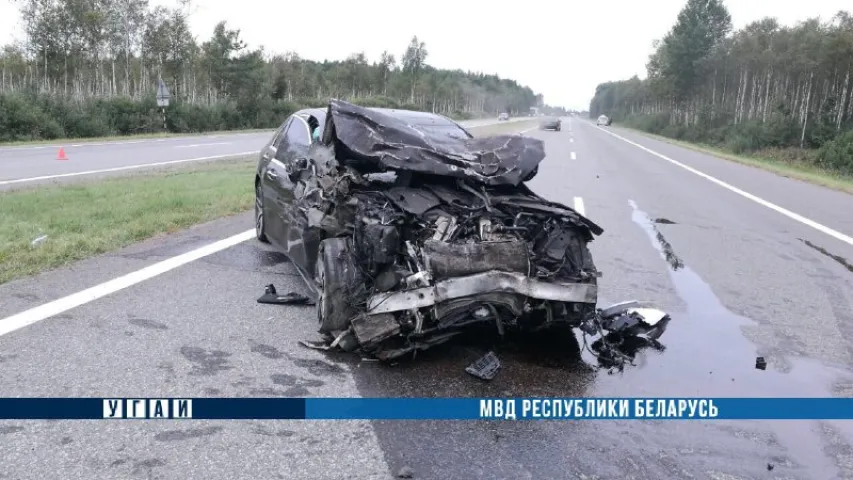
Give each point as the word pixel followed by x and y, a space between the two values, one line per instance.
pixel 297 137
pixel 295 141
pixel 279 134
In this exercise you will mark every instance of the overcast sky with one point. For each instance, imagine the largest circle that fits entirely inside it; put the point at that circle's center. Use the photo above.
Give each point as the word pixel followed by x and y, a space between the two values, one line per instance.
pixel 562 49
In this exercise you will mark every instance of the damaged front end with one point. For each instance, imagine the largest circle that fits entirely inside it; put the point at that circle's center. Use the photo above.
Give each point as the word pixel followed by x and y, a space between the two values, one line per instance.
pixel 412 254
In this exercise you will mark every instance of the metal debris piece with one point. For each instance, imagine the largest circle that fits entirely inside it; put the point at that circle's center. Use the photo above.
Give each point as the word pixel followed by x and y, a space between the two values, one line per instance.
pixel 769 467
pixel 406 472
pixel 317 345
pixel 486 367
pixel 38 241
pixel 272 297
pixel 761 363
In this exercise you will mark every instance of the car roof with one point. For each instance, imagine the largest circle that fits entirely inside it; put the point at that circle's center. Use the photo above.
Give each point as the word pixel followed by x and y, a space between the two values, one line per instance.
pixel 410 116
pixel 317 112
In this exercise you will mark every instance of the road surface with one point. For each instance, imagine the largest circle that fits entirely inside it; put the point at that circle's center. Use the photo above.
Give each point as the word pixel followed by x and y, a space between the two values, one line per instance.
pixel 741 278
pixel 26 165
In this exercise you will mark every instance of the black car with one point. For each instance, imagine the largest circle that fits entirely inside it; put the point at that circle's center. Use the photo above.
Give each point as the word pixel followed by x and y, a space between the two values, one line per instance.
pixel 407 230
pixel 550 123
pixel 285 158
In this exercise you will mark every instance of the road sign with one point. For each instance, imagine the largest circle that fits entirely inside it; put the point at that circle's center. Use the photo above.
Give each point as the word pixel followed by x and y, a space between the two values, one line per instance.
pixel 162 95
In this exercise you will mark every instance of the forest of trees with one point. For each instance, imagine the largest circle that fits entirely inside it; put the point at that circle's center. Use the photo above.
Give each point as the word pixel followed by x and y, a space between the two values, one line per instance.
pixel 778 91
pixel 91 68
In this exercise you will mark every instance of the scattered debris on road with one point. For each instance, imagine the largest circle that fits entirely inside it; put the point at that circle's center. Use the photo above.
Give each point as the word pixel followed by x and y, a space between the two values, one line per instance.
pixel 761 363
pixel 486 367
pixel 271 297
pixel 406 472
pixel 316 345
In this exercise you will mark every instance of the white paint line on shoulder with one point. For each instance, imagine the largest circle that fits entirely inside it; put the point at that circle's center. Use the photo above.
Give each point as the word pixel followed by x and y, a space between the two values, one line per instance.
pixel 794 216
pixel 129 142
pixel 37 314
pixel 202 145
pixel 574 156
pixel 579 206
pixel 119 169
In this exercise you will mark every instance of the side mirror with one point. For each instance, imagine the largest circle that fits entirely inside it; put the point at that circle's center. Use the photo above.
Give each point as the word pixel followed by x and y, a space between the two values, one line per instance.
pixel 297 165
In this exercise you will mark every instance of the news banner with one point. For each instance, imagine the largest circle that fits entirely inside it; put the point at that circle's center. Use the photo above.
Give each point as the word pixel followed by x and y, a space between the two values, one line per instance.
pixel 427 408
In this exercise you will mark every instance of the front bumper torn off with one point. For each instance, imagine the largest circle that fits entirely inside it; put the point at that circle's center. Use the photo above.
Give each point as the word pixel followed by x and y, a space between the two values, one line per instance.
pixel 493 281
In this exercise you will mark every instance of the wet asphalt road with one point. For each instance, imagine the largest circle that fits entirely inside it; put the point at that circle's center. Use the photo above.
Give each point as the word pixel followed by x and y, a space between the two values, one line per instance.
pixel 25 165
pixel 739 279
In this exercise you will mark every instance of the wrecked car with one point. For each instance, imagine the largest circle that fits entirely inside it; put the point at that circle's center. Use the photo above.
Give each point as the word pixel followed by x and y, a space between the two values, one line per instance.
pixel 407 229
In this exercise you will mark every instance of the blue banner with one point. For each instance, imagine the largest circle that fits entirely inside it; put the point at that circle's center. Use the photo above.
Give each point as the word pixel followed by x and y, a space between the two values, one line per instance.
pixel 427 408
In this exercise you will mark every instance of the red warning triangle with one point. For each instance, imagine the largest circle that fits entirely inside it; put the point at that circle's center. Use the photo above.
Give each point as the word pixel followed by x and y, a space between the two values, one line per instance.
pixel 61 155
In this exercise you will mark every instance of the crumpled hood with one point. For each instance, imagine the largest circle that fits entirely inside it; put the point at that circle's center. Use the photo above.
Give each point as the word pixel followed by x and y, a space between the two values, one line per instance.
pixel 375 140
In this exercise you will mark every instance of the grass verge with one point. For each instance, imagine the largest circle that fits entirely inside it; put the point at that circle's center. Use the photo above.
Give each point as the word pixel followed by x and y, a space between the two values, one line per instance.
pixel 96 216
pixel 89 218
pixel 502 128
pixel 120 138
pixel 780 162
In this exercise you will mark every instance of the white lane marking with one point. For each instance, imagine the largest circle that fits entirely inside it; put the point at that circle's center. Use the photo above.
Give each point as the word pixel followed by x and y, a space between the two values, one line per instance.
pixel 579 206
pixel 794 216
pixel 574 157
pixel 118 169
pixel 202 145
pixel 128 142
pixel 36 314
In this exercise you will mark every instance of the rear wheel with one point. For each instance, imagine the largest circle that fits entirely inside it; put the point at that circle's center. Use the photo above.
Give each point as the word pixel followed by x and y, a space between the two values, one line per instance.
pixel 260 224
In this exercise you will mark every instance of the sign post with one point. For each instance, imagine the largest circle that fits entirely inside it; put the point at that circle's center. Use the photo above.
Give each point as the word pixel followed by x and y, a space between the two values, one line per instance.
pixel 163 99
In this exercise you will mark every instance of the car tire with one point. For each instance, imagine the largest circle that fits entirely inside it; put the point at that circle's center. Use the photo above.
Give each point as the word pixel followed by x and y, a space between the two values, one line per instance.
pixel 337 277
pixel 260 223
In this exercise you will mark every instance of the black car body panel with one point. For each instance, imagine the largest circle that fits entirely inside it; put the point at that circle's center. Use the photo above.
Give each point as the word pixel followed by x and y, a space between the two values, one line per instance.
pixel 379 140
pixel 407 229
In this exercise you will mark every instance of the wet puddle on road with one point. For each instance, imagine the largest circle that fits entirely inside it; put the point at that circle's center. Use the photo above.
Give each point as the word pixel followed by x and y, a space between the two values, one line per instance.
pixel 707 355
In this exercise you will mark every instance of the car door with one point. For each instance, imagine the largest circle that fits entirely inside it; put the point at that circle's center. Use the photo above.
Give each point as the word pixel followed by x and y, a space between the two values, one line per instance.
pixel 269 173
pixel 294 145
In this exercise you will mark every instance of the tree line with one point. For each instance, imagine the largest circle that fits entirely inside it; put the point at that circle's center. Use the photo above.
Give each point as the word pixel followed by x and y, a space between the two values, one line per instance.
pixel 91 68
pixel 783 91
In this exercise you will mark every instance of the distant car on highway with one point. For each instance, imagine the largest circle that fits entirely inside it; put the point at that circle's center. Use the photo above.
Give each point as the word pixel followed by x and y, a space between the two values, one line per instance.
pixel 603 120
pixel 550 123
pixel 503 116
